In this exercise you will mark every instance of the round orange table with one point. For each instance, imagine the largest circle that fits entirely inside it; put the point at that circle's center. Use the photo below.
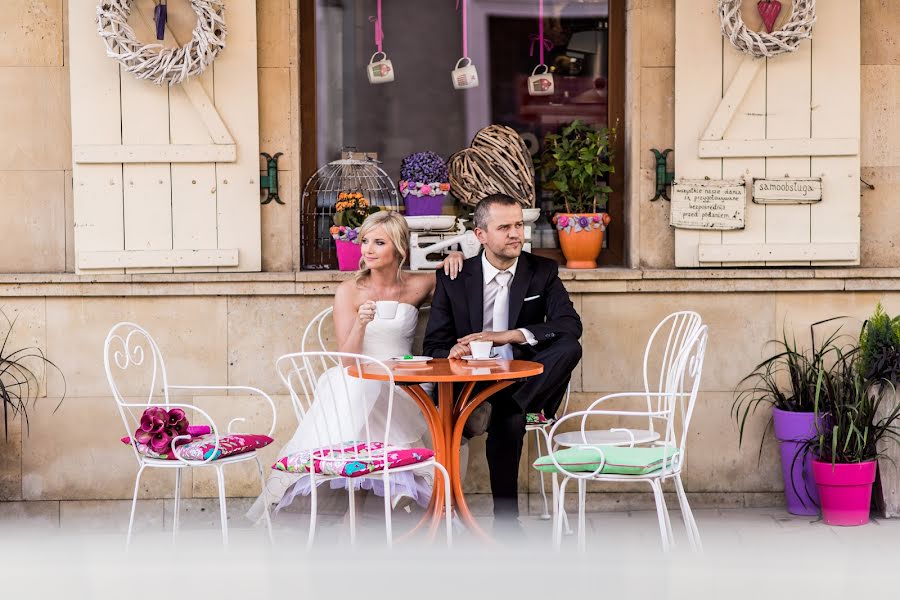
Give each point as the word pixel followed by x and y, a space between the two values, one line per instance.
pixel 446 420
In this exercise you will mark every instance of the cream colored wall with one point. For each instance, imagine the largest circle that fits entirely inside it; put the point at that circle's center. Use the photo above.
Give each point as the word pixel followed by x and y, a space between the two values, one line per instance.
pixel 651 101
pixel 35 134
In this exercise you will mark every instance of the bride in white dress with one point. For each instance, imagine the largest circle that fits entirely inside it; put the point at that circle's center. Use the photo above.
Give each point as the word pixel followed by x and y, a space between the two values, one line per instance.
pixel 385 245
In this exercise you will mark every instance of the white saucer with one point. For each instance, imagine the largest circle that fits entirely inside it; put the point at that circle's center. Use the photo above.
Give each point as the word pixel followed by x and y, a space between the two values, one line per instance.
pixel 415 360
pixel 480 361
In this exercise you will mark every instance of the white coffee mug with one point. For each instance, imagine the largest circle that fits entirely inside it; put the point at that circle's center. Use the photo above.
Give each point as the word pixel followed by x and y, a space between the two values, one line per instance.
pixel 380 71
pixel 386 309
pixel 465 77
pixel 481 349
pixel 540 84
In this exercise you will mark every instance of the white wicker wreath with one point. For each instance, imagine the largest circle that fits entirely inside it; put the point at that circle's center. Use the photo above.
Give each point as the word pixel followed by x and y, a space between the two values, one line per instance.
pixel 762 44
pixel 154 61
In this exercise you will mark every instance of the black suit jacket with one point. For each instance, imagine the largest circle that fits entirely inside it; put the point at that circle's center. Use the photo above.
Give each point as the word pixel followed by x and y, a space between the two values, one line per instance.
pixel 457 308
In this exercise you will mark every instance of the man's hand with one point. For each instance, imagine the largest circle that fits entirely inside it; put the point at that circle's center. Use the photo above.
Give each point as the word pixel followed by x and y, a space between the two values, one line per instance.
pixel 498 338
pixel 459 350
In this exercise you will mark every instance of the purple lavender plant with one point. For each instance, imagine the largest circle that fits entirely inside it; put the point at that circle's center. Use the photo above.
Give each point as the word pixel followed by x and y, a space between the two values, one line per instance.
pixel 424 167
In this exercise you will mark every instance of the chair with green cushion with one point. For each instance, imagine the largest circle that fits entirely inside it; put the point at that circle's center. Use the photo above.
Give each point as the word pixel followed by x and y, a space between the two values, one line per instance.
pixel 652 464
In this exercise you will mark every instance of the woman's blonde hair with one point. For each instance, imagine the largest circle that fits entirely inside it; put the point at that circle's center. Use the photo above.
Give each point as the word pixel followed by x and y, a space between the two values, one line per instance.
pixel 397 232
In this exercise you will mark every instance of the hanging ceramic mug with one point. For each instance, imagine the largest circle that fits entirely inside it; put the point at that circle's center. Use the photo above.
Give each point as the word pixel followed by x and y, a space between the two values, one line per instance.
pixel 380 71
pixel 464 77
pixel 540 84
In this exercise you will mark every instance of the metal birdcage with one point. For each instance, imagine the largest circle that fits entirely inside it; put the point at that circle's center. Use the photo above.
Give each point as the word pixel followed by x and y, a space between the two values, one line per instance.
pixel 320 195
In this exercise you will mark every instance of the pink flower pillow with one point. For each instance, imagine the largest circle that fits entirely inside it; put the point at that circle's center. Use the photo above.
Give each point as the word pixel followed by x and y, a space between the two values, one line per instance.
pixel 366 459
pixel 201 448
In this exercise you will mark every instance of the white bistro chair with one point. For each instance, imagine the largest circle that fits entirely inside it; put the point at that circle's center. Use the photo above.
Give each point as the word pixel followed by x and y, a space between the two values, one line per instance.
pixel 540 431
pixel 654 465
pixel 345 432
pixel 130 352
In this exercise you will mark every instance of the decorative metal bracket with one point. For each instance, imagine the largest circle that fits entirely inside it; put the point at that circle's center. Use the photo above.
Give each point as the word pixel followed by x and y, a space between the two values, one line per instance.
pixel 664 178
pixel 269 182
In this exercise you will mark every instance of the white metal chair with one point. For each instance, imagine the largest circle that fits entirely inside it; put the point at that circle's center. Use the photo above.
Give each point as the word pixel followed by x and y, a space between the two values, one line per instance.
pixel 539 431
pixel 680 388
pixel 128 347
pixel 676 331
pixel 346 416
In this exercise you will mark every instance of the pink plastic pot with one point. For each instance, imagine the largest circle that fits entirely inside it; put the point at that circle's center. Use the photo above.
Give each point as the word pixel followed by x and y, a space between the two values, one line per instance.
pixel 348 255
pixel 845 491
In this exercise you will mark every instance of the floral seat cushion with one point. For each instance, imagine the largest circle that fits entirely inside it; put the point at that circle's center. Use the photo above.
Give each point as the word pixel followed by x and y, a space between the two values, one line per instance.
pixel 201 448
pixel 352 459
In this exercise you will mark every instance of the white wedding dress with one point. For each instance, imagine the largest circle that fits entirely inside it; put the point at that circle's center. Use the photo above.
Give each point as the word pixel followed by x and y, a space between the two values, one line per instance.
pixel 383 339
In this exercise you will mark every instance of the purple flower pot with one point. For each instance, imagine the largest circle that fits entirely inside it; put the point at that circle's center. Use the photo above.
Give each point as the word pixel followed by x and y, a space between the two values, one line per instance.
pixel 792 429
pixel 425 205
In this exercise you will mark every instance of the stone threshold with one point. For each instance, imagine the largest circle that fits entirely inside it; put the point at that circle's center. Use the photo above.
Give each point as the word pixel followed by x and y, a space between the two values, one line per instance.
pixel 317 283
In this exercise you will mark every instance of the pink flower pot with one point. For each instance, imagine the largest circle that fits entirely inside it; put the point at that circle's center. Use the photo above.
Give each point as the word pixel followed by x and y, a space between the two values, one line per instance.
pixel 348 255
pixel 845 491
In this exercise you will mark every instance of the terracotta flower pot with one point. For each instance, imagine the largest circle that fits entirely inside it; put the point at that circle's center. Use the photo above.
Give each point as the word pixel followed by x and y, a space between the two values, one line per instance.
pixel 581 244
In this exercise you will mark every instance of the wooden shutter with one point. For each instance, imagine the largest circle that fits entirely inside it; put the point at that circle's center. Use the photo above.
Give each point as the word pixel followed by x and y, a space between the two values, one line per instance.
pixel 165 178
pixel 793 116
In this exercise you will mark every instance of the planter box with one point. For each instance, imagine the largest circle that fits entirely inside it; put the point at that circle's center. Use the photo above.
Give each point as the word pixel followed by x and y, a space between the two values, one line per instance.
pixel 887 485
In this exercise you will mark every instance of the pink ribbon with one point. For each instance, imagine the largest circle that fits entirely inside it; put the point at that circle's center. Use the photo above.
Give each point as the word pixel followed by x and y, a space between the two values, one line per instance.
pixel 545 45
pixel 465 26
pixel 543 42
pixel 379 31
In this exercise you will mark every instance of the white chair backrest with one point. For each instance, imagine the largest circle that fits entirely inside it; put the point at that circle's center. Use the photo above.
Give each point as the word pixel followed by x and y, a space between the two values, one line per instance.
pixel 669 338
pixel 347 404
pixel 313 339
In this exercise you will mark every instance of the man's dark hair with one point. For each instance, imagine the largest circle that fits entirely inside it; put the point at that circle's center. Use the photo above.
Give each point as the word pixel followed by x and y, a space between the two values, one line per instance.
pixel 483 208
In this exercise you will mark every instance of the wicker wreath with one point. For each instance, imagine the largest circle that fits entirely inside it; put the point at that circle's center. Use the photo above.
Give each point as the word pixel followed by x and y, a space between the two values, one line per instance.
pixel 154 61
pixel 762 44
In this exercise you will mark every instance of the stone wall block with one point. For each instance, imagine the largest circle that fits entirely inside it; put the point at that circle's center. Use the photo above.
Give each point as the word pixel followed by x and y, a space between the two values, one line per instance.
pixel 277 223
pixel 31 33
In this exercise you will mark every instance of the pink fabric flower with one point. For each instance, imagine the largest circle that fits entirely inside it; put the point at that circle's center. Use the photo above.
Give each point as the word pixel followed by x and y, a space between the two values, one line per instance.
pixel 426 189
pixel 563 221
pixel 596 218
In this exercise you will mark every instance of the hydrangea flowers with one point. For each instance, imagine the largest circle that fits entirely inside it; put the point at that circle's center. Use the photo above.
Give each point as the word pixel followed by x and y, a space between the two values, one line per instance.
pixel 424 174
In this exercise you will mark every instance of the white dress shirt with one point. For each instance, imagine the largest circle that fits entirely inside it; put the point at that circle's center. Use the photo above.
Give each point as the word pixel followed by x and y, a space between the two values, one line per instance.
pixel 490 290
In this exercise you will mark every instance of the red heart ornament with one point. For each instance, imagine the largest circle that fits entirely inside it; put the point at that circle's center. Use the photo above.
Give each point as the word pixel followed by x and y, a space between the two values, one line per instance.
pixel 769 11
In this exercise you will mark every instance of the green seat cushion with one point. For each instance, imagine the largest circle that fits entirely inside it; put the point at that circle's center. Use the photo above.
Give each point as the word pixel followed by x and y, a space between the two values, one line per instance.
pixel 619 460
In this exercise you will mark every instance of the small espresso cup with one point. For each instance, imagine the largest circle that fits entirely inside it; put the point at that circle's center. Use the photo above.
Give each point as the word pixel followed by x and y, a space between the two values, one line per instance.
pixel 464 77
pixel 540 84
pixel 480 349
pixel 386 309
pixel 380 71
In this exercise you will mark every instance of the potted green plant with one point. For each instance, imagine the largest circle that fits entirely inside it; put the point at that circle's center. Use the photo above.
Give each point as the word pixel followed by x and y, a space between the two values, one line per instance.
pixel 845 448
pixel 786 381
pixel 21 371
pixel 576 164
pixel 879 359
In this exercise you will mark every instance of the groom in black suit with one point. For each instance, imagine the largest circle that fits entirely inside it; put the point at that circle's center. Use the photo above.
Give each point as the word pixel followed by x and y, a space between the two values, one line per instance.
pixel 517 301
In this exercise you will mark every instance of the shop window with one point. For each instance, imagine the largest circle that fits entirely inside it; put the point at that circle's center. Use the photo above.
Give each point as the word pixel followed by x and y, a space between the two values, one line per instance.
pixel 420 110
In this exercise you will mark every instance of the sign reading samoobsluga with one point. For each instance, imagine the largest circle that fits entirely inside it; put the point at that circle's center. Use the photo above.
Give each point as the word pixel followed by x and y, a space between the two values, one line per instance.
pixel 787 191
pixel 708 204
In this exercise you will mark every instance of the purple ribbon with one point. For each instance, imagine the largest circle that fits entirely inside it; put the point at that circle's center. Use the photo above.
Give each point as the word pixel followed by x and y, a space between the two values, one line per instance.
pixel 160 15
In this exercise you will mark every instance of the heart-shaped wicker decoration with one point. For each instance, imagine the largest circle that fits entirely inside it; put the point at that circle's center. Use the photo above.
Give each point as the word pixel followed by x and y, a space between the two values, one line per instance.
pixel 496 162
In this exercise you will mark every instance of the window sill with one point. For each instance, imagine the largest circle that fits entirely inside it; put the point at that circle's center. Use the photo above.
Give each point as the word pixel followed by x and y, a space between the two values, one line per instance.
pixel 318 283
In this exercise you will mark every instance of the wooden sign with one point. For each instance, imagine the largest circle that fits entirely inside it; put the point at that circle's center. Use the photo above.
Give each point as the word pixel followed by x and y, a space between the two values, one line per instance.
pixel 787 191
pixel 708 204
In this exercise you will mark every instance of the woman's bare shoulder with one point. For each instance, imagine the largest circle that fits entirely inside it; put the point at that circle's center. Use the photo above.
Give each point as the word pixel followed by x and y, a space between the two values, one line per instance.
pixel 348 290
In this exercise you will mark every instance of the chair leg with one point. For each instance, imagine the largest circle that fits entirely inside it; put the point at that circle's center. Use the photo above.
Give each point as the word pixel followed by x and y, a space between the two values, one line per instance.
pixel 313 508
pixel 537 443
pixel 177 503
pixel 689 523
pixel 137 482
pixel 448 514
pixel 671 536
pixel 223 507
pixel 387 509
pixel 660 509
pixel 582 525
pixel 262 480
pixel 352 512
pixel 561 502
